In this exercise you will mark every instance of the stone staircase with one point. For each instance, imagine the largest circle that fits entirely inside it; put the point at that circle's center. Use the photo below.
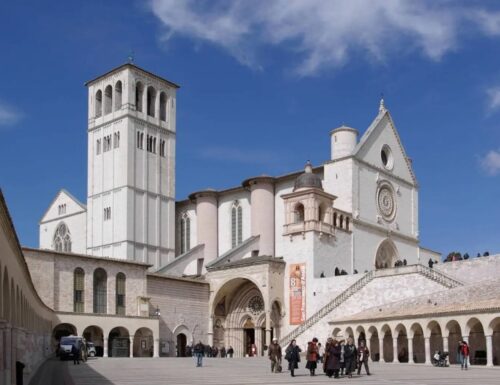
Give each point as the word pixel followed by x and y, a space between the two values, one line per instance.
pixel 324 311
pixel 427 272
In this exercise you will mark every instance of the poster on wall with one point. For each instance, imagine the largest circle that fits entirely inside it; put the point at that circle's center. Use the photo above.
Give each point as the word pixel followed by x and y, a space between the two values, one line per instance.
pixel 297 293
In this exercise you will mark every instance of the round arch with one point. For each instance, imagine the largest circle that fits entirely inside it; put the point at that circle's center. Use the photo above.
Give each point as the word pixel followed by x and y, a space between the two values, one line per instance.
pixel 235 301
pixel 477 341
pixel 119 342
pixel 494 331
pixel 6 295
pixel 143 342
pixel 387 345
pixel 454 332
pixel 95 335
pixel 387 254
pixel 435 337
pixel 374 343
pixel 62 330
pixel 402 343
pixel 361 334
pixel 418 340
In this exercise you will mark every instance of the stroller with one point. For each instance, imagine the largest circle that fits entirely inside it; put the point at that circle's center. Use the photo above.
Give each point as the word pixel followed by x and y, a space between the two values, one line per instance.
pixel 440 359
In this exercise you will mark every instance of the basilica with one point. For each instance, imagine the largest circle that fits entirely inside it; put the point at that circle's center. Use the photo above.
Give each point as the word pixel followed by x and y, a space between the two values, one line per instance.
pixel 330 250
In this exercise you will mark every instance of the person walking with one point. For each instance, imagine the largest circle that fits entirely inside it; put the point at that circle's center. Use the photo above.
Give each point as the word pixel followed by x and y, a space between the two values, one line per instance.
pixel 292 355
pixel 325 354
pixel 312 356
pixel 198 353
pixel 350 357
pixel 459 352
pixel 342 357
pixel 332 358
pixel 363 355
pixel 321 352
pixel 465 355
pixel 75 350
pixel 230 352
pixel 274 354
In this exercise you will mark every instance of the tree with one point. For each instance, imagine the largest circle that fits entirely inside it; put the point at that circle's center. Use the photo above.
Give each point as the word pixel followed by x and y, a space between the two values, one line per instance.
pixel 486 254
pixel 466 256
pixel 478 255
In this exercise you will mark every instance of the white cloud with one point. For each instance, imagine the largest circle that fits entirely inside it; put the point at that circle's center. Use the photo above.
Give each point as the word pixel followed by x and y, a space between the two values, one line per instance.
pixel 493 98
pixel 324 33
pixel 491 162
pixel 8 115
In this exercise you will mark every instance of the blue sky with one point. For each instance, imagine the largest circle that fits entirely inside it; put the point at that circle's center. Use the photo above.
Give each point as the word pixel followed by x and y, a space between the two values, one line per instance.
pixel 263 83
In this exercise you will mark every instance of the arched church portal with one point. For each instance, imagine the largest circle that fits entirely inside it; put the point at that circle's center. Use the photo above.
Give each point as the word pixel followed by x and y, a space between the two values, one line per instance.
pixel 239 318
pixel 387 255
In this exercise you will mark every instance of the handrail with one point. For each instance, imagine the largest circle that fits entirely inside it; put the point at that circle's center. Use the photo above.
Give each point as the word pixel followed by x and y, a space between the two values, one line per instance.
pixel 432 274
pixel 337 301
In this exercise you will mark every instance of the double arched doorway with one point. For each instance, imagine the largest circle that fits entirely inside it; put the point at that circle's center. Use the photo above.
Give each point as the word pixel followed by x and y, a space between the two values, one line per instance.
pixel 240 319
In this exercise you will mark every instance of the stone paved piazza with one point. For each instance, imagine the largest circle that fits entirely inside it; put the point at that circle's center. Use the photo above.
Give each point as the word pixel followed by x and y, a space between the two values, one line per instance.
pixel 247 371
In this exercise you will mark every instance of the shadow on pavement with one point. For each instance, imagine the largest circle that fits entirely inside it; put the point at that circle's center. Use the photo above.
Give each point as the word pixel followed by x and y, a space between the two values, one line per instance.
pixel 57 372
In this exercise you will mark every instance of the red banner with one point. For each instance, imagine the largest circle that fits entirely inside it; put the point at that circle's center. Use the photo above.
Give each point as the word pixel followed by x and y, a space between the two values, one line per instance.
pixel 297 293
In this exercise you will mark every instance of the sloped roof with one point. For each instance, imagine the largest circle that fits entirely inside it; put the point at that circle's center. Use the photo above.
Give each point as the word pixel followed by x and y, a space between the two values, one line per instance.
pixel 480 296
pixel 384 113
pixel 71 196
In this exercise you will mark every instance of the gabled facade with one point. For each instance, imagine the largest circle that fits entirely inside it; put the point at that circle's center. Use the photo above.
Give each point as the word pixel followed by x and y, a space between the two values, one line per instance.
pixel 63 226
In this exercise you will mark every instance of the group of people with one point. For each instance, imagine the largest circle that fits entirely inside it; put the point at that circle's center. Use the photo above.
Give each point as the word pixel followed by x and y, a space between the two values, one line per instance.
pixel 199 351
pixel 338 358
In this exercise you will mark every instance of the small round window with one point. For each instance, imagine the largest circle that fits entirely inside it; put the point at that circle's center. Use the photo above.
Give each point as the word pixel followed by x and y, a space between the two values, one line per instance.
pixel 386 156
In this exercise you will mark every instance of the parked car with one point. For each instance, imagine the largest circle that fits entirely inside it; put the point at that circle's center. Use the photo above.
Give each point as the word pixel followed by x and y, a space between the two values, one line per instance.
pixel 66 346
pixel 91 352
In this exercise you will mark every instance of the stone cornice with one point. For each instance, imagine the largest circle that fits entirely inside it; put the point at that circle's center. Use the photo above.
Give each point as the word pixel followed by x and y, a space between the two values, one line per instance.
pixel 164 197
pixel 131 116
pixel 435 314
pixel 385 231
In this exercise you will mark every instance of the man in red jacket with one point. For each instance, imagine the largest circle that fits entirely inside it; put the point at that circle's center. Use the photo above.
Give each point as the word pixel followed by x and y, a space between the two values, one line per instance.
pixel 465 354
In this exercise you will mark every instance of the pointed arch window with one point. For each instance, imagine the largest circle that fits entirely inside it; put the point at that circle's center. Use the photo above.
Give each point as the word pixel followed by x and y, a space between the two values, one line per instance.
pixel 78 290
pixel 100 290
pixel 185 233
pixel 120 293
pixel 236 224
pixel 62 238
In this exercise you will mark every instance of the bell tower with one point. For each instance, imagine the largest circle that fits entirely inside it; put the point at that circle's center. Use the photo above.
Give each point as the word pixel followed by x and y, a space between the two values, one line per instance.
pixel 131 166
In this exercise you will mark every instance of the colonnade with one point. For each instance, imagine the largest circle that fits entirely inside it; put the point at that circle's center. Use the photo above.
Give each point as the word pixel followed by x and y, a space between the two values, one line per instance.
pixel 417 340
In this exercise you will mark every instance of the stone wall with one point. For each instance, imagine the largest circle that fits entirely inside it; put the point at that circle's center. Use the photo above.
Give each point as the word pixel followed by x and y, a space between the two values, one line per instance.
pixel 472 270
pixel 379 291
pixel 183 306
pixel 53 276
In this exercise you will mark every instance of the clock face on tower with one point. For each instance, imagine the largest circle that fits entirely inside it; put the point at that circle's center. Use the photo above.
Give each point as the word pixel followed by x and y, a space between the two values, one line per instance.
pixel 386 202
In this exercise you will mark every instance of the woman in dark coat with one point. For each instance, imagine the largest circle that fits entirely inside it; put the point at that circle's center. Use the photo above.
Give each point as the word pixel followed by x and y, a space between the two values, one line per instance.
pixel 292 355
pixel 350 357
pixel 333 359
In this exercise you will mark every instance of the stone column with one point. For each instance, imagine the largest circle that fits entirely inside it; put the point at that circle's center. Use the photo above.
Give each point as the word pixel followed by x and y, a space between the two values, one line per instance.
pixel 258 340
pixel 466 339
pixel 131 347
pixel 445 344
pixel 489 350
pixel 381 349
pixel 410 351
pixel 262 212
pixel 207 223
pixel 395 349
pixel 210 332
pixel 268 328
pixel 156 349
pixel 105 347
pixel 427 350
